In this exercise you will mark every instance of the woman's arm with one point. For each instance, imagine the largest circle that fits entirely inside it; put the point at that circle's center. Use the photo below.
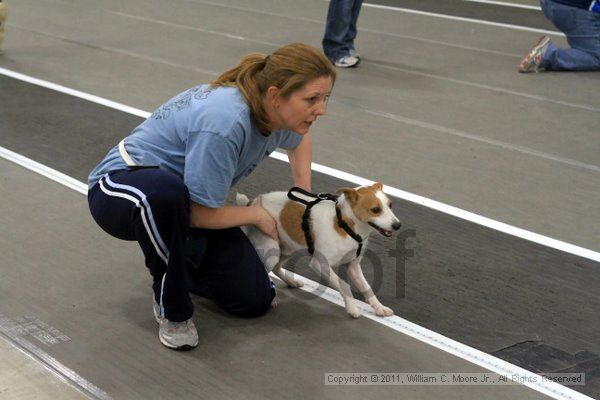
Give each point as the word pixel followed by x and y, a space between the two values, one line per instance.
pixel 230 216
pixel 300 160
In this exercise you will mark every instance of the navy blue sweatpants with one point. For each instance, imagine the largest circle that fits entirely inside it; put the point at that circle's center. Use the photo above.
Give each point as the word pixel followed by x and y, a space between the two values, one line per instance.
pixel 151 206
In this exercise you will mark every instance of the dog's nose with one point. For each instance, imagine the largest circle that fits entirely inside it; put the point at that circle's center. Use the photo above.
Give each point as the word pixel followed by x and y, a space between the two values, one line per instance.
pixel 396 225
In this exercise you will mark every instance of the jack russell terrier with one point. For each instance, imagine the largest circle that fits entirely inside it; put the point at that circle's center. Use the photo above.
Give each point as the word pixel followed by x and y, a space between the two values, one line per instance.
pixel 333 229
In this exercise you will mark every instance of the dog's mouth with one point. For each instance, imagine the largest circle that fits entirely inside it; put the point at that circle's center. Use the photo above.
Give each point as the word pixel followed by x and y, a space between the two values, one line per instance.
pixel 384 232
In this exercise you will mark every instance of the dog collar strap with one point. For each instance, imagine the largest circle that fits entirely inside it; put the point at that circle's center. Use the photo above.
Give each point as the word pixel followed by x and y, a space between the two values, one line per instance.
pixel 318 196
pixel 342 224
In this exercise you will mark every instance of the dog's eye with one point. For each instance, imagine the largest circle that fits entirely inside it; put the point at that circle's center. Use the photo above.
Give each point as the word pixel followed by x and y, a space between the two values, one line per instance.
pixel 375 210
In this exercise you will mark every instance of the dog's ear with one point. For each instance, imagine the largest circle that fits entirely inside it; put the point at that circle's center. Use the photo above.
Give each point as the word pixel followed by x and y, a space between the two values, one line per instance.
pixel 350 194
pixel 378 186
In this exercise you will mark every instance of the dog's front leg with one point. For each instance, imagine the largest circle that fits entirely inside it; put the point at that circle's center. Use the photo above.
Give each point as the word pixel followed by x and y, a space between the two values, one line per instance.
pixel 324 269
pixel 356 275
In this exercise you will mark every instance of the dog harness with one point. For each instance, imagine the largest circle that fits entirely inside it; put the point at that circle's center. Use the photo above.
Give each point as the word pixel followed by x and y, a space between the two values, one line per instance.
pixel 319 197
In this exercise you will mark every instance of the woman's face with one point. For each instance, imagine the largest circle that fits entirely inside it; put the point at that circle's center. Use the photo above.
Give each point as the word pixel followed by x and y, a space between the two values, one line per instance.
pixel 301 109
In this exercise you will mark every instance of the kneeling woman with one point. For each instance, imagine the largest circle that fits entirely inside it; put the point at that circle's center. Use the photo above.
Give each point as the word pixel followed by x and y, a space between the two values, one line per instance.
pixel 166 184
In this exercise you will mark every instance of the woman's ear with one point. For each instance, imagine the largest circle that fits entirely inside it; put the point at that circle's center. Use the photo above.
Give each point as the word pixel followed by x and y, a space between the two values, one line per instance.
pixel 273 94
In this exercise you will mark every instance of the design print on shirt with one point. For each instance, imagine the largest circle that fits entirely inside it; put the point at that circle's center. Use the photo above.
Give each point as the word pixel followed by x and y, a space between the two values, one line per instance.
pixel 181 102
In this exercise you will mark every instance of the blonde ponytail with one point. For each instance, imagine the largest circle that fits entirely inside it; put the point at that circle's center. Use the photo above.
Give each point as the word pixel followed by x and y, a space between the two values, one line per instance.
pixel 289 68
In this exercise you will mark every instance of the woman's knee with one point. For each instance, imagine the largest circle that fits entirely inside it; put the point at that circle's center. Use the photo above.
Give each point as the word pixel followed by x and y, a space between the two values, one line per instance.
pixel 251 305
pixel 261 304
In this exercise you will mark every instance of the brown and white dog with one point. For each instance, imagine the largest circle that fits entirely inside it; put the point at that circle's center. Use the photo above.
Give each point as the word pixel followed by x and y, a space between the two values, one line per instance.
pixel 364 209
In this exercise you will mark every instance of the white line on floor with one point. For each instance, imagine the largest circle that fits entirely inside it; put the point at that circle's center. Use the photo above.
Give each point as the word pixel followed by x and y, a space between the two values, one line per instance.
pixel 375 63
pixel 63 373
pixel 278 15
pixel 477 357
pixel 275 45
pixel 390 8
pixel 505 4
pixel 495 89
pixel 396 323
pixel 75 93
pixel 457 212
pixel 463 19
pixel 44 170
pixel 481 139
pixel 424 201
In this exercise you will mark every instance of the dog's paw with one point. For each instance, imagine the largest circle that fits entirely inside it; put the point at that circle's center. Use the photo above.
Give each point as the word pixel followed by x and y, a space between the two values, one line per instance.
pixel 288 278
pixel 294 283
pixel 353 311
pixel 384 311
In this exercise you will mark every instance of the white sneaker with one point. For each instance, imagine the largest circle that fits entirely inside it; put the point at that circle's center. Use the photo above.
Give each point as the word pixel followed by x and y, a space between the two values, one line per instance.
pixel 346 62
pixel 353 53
pixel 175 335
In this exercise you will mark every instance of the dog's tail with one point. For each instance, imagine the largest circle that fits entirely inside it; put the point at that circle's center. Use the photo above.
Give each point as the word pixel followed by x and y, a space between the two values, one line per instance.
pixel 242 199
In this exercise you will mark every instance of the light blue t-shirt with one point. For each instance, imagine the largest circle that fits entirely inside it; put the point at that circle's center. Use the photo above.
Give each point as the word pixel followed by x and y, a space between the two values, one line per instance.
pixel 206 136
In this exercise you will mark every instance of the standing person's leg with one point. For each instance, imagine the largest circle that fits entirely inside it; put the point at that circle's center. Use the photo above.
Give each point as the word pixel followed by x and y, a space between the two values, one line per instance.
pixel 151 206
pixel 582 29
pixel 352 31
pixel 225 267
pixel 339 19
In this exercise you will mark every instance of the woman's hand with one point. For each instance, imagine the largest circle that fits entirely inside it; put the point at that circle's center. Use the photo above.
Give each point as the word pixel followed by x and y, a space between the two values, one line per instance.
pixel 230 216
pixel 265 222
